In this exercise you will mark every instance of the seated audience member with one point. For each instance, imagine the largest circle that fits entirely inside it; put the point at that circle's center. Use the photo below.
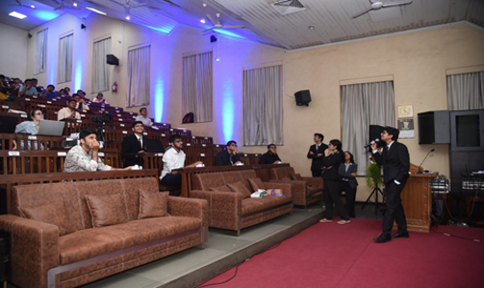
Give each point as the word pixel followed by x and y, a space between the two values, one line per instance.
pixel 174 158
pixel 347 171
pixel 18 81
pixel 143 117
pixel 271 156
pixel 68 91
pixel 99 98
pixel 81 93
pixel 133 146
pixel 49 92
pixel 228 157
pixel 63 92
pixel 35 83
pixel 80 103
pixel 28 89
pixel 69 112
pixel 30 127
pixel 2 80
pixel 13 91
pixel 84 157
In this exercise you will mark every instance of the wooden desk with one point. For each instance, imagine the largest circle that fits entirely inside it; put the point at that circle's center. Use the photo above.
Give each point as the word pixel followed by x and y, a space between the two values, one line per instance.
pixel 417 202
pixel 262 171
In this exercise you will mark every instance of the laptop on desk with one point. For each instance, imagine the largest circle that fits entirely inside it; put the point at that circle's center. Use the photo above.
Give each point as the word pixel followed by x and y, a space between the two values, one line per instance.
pixel 153 145
pixel 51 128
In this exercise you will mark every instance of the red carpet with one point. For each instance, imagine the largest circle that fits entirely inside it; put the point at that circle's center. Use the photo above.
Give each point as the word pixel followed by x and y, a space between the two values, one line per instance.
pixel 332 255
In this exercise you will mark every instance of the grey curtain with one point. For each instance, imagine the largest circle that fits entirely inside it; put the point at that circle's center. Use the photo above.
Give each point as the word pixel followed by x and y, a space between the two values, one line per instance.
pixel 65 58
pixel 138 89
pixel 197 90
pixel 41 51
pixel 364 105
pixel 465 91
pixel 100 69
pixel 263 118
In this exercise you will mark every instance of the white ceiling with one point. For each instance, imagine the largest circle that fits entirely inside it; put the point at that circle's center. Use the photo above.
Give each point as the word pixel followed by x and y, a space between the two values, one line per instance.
pixel 332 19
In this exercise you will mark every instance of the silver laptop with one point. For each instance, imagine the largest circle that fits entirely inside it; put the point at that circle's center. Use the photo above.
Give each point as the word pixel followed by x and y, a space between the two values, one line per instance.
pixel 51 128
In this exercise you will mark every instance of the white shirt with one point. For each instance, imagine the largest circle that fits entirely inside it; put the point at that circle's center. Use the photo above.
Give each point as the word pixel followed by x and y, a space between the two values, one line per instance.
pixel 146 121
pixel 172 160
pixel 65 113
pixel 84 106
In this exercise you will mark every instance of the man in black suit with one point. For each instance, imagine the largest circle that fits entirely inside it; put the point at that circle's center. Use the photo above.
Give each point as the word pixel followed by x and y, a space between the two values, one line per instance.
pixel 271 156
pixel 316 152
pixel 133 146
pixel 396 164
pixel 228 157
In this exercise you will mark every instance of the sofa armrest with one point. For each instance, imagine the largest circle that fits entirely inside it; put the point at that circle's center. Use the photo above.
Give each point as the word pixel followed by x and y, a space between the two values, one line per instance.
pixel 314 181
pixel 223 201
pixel 35 250
pixel 188 207
pixel 285 187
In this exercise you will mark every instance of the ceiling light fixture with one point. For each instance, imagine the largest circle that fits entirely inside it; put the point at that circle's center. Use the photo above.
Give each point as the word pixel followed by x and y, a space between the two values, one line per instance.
pixel 32 6
pixel 128 18
pixel 311 27
pixel 202 20
pixel 17 15
pixel 74 4
pixel 204 4
pixel 96 11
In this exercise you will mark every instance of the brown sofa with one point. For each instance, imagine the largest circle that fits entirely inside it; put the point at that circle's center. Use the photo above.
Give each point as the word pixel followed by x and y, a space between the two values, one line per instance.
pixel 229 210
pixel 305 191
pixel 44 254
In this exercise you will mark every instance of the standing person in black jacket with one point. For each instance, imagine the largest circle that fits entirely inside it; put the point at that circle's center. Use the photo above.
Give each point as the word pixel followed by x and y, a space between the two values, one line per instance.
pixel 348 171
pixel 396 164
pixel 333 158
pixel 316 153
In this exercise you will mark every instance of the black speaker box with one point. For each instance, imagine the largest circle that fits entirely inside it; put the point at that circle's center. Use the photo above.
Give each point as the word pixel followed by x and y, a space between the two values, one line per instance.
pixel 375 131
pixel 112 60
pixel 434 127
pixel 303 98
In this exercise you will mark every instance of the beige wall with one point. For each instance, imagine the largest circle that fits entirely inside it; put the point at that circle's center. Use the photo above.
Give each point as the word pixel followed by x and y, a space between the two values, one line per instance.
pixel 13 51
pixel 417 62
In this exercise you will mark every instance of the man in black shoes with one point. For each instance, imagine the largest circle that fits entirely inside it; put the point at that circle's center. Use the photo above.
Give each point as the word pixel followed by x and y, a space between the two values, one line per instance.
pixel 396 164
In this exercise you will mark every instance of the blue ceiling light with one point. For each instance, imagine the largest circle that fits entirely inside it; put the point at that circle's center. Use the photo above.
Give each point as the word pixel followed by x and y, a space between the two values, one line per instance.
pixel 45 15
pixel 225 32
pixel 166 29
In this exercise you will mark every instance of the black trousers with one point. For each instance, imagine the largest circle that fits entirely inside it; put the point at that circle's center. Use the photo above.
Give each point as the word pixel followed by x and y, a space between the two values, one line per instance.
pixel 332 195
pixel 350 198
pixel 394 209
pixel 316 172
pixel 172 179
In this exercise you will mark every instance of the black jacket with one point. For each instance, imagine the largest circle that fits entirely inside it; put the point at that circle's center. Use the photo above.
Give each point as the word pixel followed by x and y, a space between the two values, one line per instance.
pixel 333 161
pixel 223 159
pixel 317 163
pixel 347 174
pixel 396 162
pixel 269 158
pixel 129 151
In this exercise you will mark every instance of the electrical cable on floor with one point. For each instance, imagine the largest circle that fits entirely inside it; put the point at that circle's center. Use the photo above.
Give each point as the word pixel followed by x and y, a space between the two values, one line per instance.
pixel 458 237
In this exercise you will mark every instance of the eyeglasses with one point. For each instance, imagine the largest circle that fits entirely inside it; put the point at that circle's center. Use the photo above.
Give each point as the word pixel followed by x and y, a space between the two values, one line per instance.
pixel 233 145
pixel 178 141
pixel 38 114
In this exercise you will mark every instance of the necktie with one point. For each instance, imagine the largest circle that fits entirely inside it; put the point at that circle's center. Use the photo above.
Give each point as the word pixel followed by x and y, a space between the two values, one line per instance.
pixel 140 143
pixel 231 162
pixel 388 148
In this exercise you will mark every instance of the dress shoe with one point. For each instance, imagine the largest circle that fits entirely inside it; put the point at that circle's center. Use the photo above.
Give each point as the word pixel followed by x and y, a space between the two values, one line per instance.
pixel 401 235
pixel 382 239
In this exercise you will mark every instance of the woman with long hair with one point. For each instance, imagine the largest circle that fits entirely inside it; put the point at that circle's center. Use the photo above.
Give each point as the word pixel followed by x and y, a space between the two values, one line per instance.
pixel 347 171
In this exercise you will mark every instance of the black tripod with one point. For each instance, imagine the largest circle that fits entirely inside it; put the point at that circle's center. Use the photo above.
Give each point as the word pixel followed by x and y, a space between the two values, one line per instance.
pixel 378 206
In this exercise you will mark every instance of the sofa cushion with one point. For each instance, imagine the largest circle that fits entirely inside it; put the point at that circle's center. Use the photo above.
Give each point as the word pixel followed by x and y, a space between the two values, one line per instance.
pixel 152 204
pixel 312 190
pixel 286 179
pixel 297 177
pixel 223 188
pixel 54 213
pixel 240 188
pixel 256 184
pixel 107 210
pixel 251 205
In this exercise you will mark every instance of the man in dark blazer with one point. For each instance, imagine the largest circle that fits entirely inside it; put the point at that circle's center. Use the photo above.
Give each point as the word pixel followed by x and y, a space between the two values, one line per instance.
pixel 228 157
pixel 133 146
pixel 396 164
pixel 316 153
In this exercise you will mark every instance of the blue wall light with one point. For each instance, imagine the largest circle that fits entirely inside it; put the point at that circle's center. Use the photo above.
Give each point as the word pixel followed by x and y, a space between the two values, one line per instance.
pixel 228 108
pixel 78 76
pixel 159 99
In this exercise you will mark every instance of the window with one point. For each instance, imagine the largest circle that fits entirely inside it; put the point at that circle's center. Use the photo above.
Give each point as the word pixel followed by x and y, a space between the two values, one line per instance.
pixel 364 105
pixel 65 58
pixel 41 52
pixel 263 106
pixel 138 89
pixel 466 91
pixel 100 69
pixel 197 95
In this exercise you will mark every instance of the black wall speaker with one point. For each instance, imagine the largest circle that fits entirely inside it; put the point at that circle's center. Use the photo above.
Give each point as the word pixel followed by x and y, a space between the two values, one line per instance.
pixel 375 131
pixel 112 60
pixel 303 98
pixel 434 127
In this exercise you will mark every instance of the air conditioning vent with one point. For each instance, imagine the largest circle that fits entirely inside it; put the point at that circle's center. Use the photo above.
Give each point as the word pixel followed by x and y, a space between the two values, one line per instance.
pixel 288 7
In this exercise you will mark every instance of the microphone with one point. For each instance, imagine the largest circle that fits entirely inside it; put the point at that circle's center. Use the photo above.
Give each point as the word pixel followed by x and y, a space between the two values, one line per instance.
pixel 372 142
pixel 420 172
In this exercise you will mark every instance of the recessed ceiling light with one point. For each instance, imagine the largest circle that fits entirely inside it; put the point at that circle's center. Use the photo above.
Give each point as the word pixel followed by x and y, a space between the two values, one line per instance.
pixel 74 4
pixel 202 20
pixel 311 27
pixel 96 11
pixel 128 18
pixel 17 15
pixel 204 4
pixel 32 6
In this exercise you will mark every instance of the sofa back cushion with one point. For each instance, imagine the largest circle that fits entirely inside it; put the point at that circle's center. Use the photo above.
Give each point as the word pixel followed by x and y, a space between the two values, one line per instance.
pixel 107 210
pixel 35 195
pixel 282 172
pixel 240 188
pixel 53 212
pixel 223 188
pixel 205 181
pixel 246 175
pixel 152 204
pixel 256 184
pixel 132 189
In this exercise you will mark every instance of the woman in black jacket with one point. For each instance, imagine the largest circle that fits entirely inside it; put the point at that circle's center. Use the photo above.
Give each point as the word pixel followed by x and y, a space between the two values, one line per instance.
pixel 333 158
pixel 347 171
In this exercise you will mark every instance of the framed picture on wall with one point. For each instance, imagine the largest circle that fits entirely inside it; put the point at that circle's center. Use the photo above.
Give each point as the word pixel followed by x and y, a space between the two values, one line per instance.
pixel 405 111
pixel 407 128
